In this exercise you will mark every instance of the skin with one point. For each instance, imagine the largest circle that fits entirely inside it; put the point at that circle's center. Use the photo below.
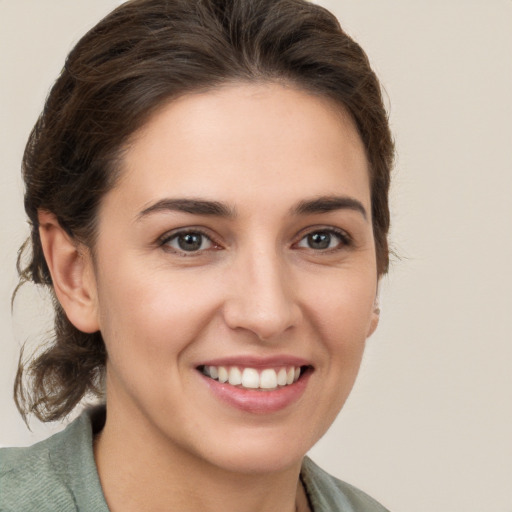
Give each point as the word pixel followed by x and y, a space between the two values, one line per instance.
pixel 256 289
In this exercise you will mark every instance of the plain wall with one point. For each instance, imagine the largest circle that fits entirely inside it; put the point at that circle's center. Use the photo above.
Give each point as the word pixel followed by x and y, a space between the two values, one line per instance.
pixel 429 424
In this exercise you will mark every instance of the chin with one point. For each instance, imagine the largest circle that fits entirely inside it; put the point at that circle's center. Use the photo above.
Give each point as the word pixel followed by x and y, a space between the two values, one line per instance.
pixel 258 462
pixel 261 452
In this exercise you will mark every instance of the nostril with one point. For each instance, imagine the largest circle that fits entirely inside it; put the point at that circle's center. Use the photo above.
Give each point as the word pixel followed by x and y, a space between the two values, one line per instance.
pixel 267 324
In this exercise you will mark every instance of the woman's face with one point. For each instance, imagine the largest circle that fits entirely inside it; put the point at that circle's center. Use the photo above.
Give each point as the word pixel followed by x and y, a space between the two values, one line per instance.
pixel 237 245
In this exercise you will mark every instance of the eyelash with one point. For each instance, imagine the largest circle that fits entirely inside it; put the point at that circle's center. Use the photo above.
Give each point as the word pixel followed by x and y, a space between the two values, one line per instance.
pixel 164 241
pixel 343 237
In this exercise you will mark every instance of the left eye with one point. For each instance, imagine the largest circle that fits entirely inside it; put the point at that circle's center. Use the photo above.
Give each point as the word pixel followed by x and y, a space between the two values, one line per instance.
pixel 322 240
pixel 189 241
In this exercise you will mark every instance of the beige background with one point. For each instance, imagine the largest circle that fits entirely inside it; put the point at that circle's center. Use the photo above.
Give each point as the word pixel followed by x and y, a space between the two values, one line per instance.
pixel 429 424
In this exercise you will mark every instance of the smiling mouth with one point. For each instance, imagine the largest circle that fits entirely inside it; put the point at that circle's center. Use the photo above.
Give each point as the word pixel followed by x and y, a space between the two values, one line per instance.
pixel 267 379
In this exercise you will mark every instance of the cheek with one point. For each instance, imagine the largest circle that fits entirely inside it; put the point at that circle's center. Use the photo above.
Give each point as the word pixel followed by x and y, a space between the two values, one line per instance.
pixel 151 315
pixel 343 305
pixel 342 316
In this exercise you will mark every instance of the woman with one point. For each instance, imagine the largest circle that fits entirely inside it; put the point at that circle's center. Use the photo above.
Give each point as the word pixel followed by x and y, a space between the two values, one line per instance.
pixel 207 188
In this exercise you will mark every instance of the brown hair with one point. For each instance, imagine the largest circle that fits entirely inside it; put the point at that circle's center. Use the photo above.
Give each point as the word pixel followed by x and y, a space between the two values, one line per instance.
pixel 143 54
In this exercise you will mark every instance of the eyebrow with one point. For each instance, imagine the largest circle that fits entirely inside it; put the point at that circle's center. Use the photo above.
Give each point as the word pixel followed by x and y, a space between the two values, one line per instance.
pixel 326 204
pixel 193 206
pixel 323 204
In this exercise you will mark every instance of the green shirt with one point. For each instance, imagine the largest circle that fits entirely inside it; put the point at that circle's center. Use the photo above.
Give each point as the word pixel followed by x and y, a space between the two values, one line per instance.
pixel 59 475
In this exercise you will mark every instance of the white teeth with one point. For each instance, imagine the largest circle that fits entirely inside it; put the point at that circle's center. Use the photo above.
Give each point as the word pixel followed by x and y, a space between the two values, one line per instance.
pixel 214 373
pixel 223 374
pixel 251 378
pixel 235 376
pixel 268 379
pixel 281 377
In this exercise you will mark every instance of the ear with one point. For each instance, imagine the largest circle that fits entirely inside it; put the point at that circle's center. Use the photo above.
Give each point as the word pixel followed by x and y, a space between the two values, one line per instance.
pixel 72 272
pixel 374 321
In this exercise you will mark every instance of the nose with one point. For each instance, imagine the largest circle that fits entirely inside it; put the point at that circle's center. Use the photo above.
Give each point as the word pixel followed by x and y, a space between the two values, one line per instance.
pixel 262 297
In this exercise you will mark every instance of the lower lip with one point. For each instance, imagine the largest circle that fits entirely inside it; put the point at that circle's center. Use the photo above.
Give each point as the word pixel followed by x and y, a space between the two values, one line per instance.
pixel 259 402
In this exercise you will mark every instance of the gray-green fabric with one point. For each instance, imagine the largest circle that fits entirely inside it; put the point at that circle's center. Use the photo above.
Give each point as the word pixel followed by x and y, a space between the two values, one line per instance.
pixel 59 475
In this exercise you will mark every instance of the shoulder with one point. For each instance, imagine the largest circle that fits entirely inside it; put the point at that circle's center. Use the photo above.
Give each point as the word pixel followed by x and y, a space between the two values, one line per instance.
pixel 29 480
pixel 51 475
pixel 327 493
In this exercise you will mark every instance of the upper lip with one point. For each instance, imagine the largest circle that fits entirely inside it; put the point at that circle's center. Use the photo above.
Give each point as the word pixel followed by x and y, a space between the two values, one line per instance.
pixel 257 362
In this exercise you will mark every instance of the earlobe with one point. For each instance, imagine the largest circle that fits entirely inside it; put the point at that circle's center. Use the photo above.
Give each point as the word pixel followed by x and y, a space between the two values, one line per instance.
pixel 72 273
pixel 374 322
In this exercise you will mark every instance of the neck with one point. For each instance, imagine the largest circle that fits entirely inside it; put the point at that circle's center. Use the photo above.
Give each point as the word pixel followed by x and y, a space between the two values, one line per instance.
pixel 140 470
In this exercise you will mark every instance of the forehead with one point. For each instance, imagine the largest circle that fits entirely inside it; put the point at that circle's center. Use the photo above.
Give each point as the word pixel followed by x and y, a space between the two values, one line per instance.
pixel 242 138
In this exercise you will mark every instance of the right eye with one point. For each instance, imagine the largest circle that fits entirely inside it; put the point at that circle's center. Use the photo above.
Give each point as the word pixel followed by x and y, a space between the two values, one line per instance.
pixel 188 242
